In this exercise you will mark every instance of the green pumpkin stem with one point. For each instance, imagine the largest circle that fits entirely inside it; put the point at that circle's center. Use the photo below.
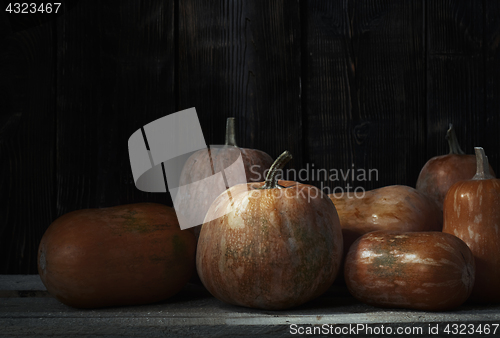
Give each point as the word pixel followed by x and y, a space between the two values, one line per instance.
pixel 272 174
pixel 453 141
pixel 230 132
pixel 482 165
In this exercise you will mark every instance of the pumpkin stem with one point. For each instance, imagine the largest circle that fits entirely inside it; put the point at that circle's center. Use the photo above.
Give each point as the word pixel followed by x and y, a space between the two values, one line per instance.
pixel 230 133
pixel 272 174
pixel 482 165
pixel 453 141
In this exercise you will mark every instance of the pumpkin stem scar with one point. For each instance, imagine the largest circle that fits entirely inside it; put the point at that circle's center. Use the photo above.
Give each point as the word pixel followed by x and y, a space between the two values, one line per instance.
pixel 272 175
pixel 453 141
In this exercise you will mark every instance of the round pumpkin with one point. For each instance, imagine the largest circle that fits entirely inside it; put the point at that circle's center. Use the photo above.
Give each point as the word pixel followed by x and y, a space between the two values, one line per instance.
pixel 271 245
pixel 441 172
pixel 431 271
pixel 124 255
pixel 472 213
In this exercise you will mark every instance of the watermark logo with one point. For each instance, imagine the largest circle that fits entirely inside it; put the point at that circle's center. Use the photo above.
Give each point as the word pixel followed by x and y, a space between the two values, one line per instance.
pixel 159 153
pixel 321 177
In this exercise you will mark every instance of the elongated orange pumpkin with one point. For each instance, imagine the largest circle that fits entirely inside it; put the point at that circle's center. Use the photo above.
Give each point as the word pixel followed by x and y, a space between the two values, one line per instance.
pixel 430 271
pixel 472 213
pixel 395 208
pixel 125 255
pixel 271 245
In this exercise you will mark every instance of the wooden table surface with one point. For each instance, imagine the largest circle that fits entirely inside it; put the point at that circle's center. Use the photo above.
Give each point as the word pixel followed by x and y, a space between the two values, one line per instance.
pixel 26 309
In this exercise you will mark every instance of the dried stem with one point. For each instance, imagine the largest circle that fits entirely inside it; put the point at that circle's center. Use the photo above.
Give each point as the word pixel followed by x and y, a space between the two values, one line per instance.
pixel 453 141
pixel 230 132
pixel 278 165
pixel 482 165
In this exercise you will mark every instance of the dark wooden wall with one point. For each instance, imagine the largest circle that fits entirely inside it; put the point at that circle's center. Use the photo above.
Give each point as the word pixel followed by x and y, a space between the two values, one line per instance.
pixel 348 83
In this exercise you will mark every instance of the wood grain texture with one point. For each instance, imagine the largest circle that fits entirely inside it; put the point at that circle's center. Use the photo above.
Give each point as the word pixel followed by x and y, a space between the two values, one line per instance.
pixel 363 84
pixel 455 74
pixel 365 101
pixel 115 74
pixel 27 140
pixel 491 135
pixel 330 92
pixel 242 59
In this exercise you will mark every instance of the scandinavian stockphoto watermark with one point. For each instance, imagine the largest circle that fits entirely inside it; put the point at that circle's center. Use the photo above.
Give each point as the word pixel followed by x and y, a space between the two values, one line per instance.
pixel 161 150
pixel 320 177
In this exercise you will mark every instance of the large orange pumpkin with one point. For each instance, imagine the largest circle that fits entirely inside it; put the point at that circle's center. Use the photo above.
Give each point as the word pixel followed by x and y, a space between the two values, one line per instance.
pixel 472 213
pixel 124 255
pixel 271 245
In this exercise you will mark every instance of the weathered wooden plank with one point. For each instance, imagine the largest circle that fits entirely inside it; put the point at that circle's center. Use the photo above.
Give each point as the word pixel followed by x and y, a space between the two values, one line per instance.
pixel 455 95
pixel 329 89
pixel 27 139
pixel 242 59
pixel 365 97
pixel 491 126
pixel 455 74
pixel 115 74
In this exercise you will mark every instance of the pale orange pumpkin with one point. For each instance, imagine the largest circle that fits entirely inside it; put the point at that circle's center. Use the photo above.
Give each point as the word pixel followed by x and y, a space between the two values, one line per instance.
pixel 395 208
pixel 271 245
pixel 431 271
pixel 472 213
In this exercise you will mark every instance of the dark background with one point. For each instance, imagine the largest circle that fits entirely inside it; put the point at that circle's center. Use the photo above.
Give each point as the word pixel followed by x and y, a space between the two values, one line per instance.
pixel 371 83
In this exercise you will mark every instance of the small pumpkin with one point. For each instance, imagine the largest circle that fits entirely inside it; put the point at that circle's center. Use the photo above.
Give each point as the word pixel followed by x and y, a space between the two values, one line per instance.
pixel 124 255
pixel 441 172
pixel 472 213
pixel 270 245
pixel 204 163
pixel 431 271
pixel 395 208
